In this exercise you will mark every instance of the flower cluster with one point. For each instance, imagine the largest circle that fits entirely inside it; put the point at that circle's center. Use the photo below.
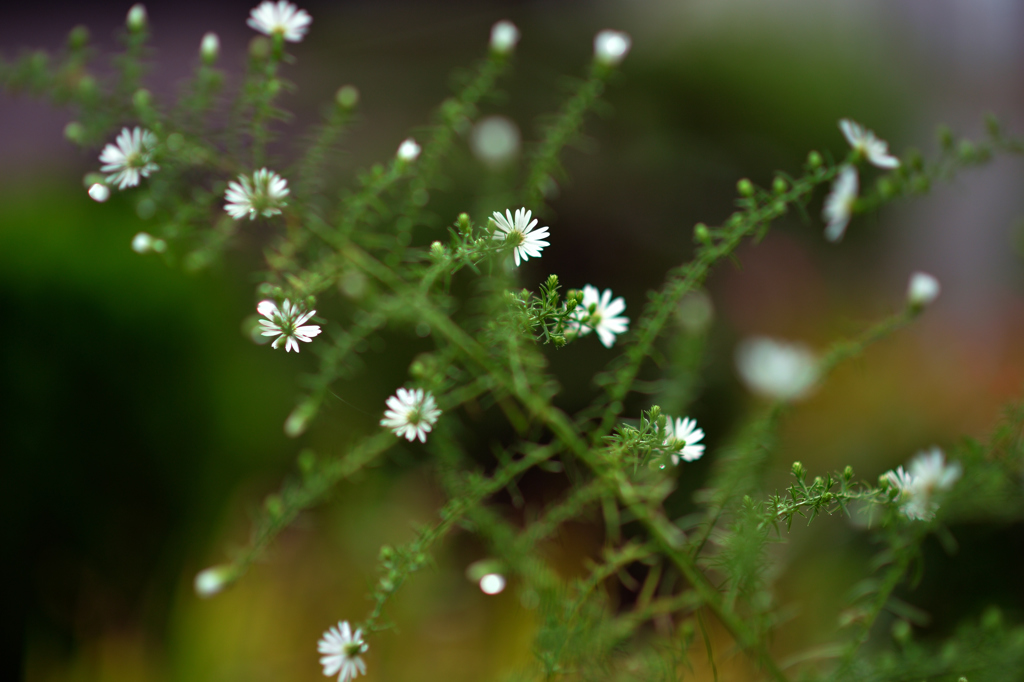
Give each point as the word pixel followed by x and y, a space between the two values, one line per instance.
pixel 341 649
pixel 917 488
pixel 287 323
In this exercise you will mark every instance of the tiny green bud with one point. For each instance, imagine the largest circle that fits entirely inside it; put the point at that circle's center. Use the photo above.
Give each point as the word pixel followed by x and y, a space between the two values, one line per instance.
pixel 300 418
pixel 87 85
pixel 814 160
pixel 437 250
pixel 274 505
pixel 848 473
pixel 136 20
pixel 209 48
pixel 818 481
pixel 966 151
pixel 558 340
pixel 78 38
pixel 883 482
pixel 945 136
pixel 886 188
pixel 463 223
pixel 701 233
pixel 386 553
pixel 347 97
pixel 779 185
pixel 142 99
pixel 745 187
pixel 74 131
pixel 901 631
pixel 798 469
pixel 992 126
pixel 307 461
pixel 552 281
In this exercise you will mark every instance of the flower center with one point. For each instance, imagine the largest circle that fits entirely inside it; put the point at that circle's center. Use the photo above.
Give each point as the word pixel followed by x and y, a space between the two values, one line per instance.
pixel 514 238
pixel 414 416
pixel 353 649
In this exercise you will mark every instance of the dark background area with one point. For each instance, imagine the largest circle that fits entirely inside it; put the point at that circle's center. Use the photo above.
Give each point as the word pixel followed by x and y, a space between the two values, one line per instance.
pixel 139 426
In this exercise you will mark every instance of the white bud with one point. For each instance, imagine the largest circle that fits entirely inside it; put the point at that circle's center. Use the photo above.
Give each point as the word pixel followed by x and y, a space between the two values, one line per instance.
pixel 213 580
pixel 146 243
pixel 209 48
pixel 495 141
pixel 504 36
pixel 611 47
pixel 408 150
pixel 99 192
pixel 778 370
pixel 301 417
pixel 922 290
pixel 492 583
pixel 136 18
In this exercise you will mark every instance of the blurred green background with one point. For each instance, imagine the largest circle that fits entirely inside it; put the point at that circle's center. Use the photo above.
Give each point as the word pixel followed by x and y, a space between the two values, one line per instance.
pixel 140 426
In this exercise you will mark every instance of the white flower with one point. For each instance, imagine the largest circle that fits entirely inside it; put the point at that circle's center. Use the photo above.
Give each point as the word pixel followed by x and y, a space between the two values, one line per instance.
pixel 209 48
pixel 411 414
pixel 146 243
pixel 409 150
pixel 865 143
pixel 839 203
pixel 598 312
pixel 518 233
pixel 611 47
pixel 263 194
pixel 776 369
pixel 130 158
pixel 99 192
pixel 922 290
pixel 504 36
pixel 684 437
pixel 286 323
pixel 136 19
pixel 492 583
pixel 280 18
pixel 212 580
pixel 917 489
pixel 341 648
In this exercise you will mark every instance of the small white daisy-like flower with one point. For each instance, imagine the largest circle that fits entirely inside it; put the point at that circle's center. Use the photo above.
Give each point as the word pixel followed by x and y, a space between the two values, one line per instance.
pixel 684 437
pixel 341 649
pixel 280 18
pixel 598 312
pixel 99 192
pixel 611 47
pixel 411 414
pixel 929 476
pixel 213 580
pixel 867 145
pixel 518 233
pixel 287 323
pixel 922 290
pixel 778 370
pixel 409 150
pixel 130 159
pixel 504 36
pixel 839 203
pixel 209 48
pixel 262 194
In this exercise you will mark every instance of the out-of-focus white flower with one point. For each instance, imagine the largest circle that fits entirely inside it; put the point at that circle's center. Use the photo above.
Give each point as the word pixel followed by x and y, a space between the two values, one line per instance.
pixel 136 19
pixel 611 47
pixel 209 48
pixel 341 648
pixel 922 290
pixel 146 243
pixel 99 192
pixel 213 580
pixel 495 140
pixel 280 18
pixel 518 233
pixel 867 145
pixel 598 312
pixel 839 203
pixel 409 150
pixel 684 437
pixel 411 414
pixel 262 194
pixel 928 477
pixel 504 36
pixel 286 323
pixel 492 583
pixel 779 370
pixel 129 159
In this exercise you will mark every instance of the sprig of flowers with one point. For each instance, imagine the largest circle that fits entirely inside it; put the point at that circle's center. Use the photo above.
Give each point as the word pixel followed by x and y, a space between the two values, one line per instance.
pixel 411 414
pixel 130 159
pixel 287 323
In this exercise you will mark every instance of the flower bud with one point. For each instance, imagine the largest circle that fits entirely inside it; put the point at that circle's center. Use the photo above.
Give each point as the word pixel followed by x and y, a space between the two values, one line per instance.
pixel 142 242
pixel 504 36
pixel 922 290
pixel 611 47
pixel 209 48
pixel 78 38
pixel 745 187
pixel 463 223
pixel 408 151
pixel 814 160
pixel 300 418
pixel 136 20
pixel 74 131
pixel 848 473
pixel 100 192
pixel 701 233
pixel 213 580
pixel 798 469
pixel 142 99
pixel 779 185
pixel 437 250
pixel 347 97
